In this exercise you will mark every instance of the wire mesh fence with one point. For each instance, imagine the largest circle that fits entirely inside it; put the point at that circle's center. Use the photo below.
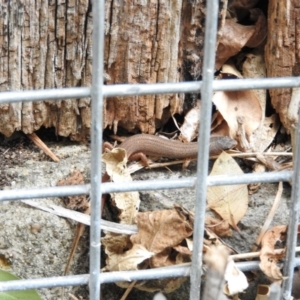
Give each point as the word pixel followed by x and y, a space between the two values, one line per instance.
pixel 97 92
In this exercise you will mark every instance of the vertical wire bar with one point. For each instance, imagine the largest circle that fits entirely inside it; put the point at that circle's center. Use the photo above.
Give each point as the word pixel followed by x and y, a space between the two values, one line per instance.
pixel 96 145
pixel 212 7
pixel 288 269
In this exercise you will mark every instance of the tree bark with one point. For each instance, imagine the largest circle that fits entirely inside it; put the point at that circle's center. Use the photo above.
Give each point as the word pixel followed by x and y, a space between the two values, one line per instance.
pixel 47 44
pixel 282 54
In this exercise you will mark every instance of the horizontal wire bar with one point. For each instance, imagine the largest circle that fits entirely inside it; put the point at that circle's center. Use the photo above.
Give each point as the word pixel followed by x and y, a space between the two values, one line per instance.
pixel 146 185
pixel 109 277
pixel 38 283
pixel 55 191
pixel 149 89
pixel 48 94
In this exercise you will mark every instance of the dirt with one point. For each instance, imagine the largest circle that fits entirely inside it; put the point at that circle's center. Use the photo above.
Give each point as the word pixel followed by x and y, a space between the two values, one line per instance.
pixel 36 244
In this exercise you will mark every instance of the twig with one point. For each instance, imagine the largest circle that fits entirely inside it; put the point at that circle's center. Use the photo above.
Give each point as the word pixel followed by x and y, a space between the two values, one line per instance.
pixel 78 233
pixel 255 254
pixel 38 142
pixel 128 290
pixel 269 217
pixel 84 219
pixel 5 151
pixel 250 155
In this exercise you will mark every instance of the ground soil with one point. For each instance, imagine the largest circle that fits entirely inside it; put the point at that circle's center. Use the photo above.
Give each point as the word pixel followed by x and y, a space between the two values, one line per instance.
pixel 36 244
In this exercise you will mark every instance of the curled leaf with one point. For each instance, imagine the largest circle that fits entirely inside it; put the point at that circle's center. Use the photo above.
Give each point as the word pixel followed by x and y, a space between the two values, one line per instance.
pixel 220 227
pixel 231 201
pixel 242 112
pixel 275 236
pixel 159 231
pixel 234 36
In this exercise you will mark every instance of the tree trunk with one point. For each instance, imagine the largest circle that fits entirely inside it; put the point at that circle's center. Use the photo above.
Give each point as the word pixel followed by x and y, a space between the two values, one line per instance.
pixel 47 44
pixel 282 55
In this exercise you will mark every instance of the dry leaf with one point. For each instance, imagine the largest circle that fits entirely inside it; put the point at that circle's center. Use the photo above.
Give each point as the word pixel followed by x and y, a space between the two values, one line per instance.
pixel 254 187
pixel 260 31
pixel 78 202
pixel 275 236
pixel 128 260
pixel 234 36
pixel 210 238
pixel 190 126
pixel 116 245
pixel 127 203
pixel 242 112
pixel 231 201
pixel 183 250
pixel 220 227
pixel 265 134
pixel 254 67
pixel 159 231
pixel 236 281
pixel 219 126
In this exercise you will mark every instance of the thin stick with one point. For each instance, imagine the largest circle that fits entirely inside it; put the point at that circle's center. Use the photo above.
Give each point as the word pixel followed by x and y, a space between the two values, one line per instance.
pixel 79 232
pixel 240 155
pixel 38 142
pixel 5 151
pixel 128 290
pixel 255 254
pixel 269 217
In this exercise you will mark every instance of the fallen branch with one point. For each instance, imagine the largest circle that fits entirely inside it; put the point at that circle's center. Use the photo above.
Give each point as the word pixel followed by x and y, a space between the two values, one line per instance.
pixel 38 142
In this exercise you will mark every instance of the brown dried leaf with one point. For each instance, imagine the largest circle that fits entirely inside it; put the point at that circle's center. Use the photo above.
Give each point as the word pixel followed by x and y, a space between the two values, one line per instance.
pixel 210 238
pixel 275 236
pixel 78 202
pixel 190 126
pixel 159 231
pixel 219 126
pixel 241 110
pixel 254 187
pixel 264 135
pixel 127 203
pixel 219 227
pixel 128 260
pixel 231 201
pixel 254 67
pixel 116 245
pixel 260 31
pixel 233 37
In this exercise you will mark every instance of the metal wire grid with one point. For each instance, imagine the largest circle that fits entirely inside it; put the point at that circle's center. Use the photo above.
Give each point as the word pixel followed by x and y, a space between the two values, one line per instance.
pixel 97 92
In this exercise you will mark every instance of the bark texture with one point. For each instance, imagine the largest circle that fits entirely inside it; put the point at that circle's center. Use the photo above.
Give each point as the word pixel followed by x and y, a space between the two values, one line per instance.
pixel 282 53
pixel 47 44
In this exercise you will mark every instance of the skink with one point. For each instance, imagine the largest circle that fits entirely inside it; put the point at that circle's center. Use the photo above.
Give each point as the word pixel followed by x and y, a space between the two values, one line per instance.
pixel 156 146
